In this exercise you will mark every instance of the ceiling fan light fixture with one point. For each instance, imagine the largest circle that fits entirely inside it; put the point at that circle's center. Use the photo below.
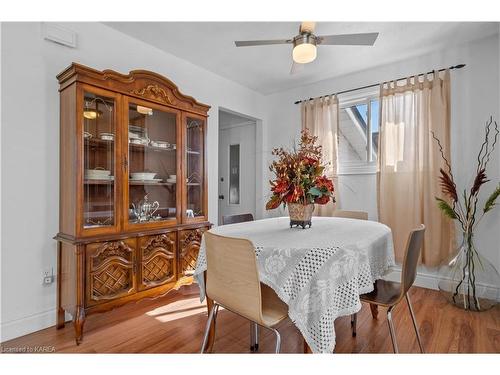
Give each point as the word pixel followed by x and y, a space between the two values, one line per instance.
pixel 304 53
pixel 304 49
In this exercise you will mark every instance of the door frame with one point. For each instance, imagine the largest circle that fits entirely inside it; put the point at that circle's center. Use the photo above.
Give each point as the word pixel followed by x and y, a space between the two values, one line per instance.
pixel 259 161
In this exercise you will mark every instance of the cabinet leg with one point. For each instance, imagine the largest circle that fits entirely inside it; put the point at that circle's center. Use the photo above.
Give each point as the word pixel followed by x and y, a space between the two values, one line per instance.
pixel 60 318
pixel 78 322
pixel 374 310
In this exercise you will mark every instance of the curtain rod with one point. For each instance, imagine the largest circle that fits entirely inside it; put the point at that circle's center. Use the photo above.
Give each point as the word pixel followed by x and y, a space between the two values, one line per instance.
pixel 459 66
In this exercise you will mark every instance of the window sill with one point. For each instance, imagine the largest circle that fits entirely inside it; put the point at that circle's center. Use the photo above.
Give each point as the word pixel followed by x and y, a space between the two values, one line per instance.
pixel 357 168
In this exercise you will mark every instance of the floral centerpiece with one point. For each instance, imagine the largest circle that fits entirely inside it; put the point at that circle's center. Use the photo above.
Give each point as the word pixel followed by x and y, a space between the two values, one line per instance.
pixel 299 180
pixel 467 279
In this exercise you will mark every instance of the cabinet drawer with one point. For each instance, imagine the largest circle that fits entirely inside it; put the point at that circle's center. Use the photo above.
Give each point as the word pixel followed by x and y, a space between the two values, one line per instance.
pixel 189 243
pixel 110 270
pixel 158 260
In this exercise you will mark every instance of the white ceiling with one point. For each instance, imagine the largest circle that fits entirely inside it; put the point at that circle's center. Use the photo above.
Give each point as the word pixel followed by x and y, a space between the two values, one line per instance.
pixel 266 68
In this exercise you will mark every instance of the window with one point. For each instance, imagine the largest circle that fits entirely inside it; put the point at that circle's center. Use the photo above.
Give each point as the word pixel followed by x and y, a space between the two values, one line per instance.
pixel 358 135
pixel 234 174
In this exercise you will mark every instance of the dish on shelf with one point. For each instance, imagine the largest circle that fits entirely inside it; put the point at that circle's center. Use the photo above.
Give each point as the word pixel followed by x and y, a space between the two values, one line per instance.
pixel 132 135
pixel 147 180
pixel 160 144
pixel 97 172
pixel 107 136
pixel 142 175
pixel 139 141
pixel 103 178
pixel 171 180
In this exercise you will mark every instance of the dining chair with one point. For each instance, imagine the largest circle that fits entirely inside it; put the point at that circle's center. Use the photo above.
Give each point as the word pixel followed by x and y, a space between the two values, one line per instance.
pixel 254 328
pixel 360 215
pixel 232 281
pixel 389 294
pixel 233 219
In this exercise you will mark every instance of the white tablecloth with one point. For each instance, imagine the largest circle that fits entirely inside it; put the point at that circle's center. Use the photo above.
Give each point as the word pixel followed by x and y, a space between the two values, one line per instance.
pixel 318 272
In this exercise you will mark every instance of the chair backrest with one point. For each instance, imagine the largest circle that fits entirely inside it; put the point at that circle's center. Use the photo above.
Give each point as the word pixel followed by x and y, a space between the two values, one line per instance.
pixel 233 219
pixel 232 275
pixel 413 248
pixel 360 215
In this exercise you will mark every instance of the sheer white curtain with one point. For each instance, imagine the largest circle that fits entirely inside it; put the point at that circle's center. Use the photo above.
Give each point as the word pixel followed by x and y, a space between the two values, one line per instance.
pixel 409 162
pixel 321 117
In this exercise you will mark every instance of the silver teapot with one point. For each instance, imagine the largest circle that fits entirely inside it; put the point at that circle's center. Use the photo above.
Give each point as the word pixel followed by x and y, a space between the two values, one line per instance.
pixel 145 210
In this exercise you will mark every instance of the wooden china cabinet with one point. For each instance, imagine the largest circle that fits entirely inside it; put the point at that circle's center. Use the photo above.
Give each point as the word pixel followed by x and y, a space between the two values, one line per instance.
pixel 133 189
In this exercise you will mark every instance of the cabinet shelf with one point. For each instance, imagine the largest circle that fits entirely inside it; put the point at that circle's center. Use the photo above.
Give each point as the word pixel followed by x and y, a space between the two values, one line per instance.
pixel 98 182
pixel 100 143
pixel 138 183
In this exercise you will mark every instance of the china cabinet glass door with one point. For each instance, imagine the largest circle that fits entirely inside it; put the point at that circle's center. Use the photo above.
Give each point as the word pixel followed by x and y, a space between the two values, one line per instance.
pixel 152 165
pixel 99 146
pixel 195 167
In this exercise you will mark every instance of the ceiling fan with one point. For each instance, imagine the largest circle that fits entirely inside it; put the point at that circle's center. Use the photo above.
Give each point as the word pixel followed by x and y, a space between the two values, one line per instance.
pixel 305 44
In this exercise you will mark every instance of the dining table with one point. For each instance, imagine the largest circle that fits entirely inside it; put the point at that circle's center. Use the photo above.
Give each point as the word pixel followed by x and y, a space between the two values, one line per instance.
pixel 319 272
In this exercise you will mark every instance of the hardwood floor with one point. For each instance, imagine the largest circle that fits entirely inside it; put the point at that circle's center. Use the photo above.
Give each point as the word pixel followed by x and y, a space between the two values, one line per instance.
pixel 175 324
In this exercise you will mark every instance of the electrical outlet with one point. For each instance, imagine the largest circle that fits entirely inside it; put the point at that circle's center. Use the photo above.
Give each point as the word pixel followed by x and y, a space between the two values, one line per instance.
pixel 48 279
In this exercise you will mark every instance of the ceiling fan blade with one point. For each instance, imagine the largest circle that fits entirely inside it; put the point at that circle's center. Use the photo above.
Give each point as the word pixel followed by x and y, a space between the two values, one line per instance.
pixel 248 43
pixel 307 27
pixel 366 39
pixel 296 67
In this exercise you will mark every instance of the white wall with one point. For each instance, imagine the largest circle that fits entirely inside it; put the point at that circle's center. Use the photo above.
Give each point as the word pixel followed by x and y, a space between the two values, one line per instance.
pixel 475 96
pixel 30 147
pixel 30 139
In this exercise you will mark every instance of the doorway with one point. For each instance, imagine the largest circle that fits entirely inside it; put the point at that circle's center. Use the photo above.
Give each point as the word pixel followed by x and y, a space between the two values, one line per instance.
pixel 237 164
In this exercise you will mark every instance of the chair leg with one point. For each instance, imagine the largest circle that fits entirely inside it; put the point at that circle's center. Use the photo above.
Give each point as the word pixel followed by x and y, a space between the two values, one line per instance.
pixel 278 340
pixel 414 323
pixel 391 329
pixel 354 320
pixel 213 312
pixel 252 337
pixel 256 337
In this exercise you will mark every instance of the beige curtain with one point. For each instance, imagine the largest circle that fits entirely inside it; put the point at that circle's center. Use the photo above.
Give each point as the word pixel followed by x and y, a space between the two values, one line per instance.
pixel 321 117
pixel 409 162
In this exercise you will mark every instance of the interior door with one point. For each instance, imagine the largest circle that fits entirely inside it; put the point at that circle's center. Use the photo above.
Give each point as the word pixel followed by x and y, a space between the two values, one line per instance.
pixel 237 170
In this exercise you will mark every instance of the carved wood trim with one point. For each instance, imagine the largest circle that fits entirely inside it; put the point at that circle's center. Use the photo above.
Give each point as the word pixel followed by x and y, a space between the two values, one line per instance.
pixel 158 260
pixel 189 248
pixel 141 83
pixel 162 241
pixel 110 249
pixel 153 92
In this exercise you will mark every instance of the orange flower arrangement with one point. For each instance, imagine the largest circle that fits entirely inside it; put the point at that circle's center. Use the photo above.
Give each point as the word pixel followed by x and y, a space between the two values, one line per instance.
pixel 299 175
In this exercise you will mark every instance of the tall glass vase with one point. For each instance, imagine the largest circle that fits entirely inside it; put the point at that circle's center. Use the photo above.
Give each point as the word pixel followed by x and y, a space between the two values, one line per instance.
pixel 468 280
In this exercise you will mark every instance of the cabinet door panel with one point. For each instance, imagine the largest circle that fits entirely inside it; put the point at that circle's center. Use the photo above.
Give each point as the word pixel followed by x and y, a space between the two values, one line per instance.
pixel 98 132
pixel 110 270
pixel 190 241
pixel 157 265
pixel 194 172
pixel 151 198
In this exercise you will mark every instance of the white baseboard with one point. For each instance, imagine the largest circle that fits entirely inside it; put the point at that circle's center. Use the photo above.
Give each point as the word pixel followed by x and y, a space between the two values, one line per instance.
pixel 424 279
pixel 23 326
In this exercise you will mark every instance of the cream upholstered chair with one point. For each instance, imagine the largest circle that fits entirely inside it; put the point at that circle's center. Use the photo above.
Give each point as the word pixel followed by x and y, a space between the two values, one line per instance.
pixel 254 328
pixel 389 294
pixel 360 215
pixel 232 282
